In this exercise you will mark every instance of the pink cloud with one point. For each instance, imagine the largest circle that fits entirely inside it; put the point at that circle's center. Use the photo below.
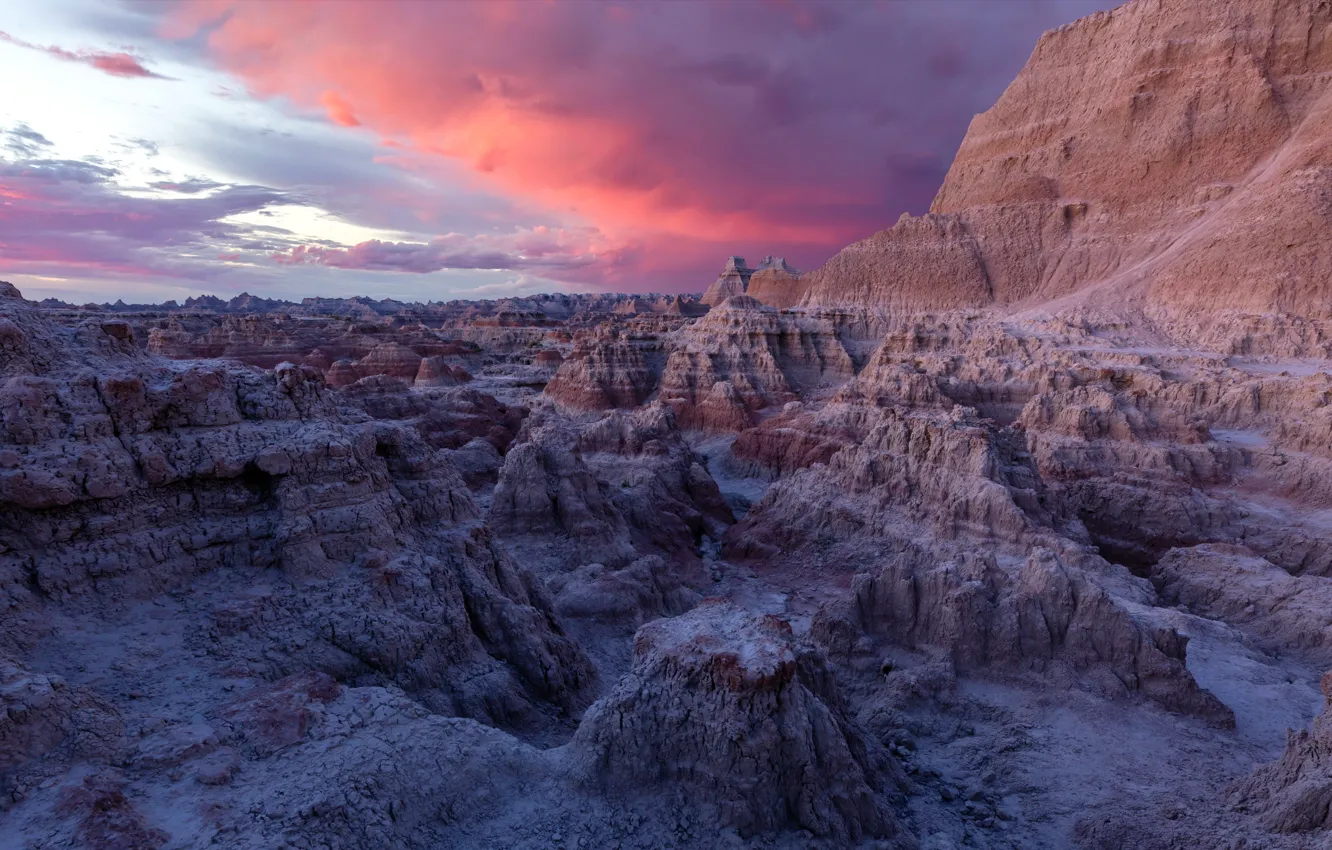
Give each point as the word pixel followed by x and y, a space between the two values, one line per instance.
pixel 70 218
pixel 785 127
pixel 339 110
pixel 118 64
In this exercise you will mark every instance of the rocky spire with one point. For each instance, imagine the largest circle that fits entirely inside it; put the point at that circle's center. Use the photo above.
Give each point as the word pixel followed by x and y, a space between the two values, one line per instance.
pixel 734 280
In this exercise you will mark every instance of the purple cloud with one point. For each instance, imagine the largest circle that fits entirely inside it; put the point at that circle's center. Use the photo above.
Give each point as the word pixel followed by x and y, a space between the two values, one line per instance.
pixel 117 64
pixel 541 251
pixel 59 216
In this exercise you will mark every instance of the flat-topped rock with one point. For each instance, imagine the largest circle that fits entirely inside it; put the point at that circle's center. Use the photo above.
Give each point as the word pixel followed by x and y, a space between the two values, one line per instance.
pixel 717 703
pixel 724 645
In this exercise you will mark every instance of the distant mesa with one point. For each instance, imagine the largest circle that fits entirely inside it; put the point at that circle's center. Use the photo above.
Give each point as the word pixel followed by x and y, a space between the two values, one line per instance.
pixel 777 284
pixel 777 264
pixel 737 278
pixel 530 311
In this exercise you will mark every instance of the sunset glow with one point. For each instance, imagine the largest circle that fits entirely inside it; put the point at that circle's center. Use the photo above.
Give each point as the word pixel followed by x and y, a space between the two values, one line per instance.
pixel 428 150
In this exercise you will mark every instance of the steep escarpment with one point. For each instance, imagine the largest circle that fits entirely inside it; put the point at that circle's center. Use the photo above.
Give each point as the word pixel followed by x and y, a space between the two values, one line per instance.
pixel 1159 156
pixel 1212 110
pixel 930 262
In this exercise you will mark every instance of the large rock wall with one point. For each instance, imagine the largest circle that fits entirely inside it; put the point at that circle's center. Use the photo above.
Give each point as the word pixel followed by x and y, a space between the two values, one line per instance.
pixel 1169 155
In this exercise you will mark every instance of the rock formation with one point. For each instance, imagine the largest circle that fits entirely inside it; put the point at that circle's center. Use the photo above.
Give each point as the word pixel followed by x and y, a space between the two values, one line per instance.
pixel 1043 616
pixel 621 486
pixel 927 263
pixel 213 473
pixel 1231 584
pixel 435 371
pixel 779 286
pixel 46 724
pixel 733 281
pixel 1294 794
pixel 774 283
pixel 772 263
pixel 602 371
pixel 1218 113
pixel 764 356
pixel 725 706
pixel 946 475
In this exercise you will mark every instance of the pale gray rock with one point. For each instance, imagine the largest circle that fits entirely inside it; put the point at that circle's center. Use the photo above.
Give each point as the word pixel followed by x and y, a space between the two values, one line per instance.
pixel 723 705
pixel 1294 794
pixel 1043 617
pixel 127 477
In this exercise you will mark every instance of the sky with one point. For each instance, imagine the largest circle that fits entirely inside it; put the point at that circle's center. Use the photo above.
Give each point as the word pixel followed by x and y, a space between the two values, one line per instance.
pixel 426 150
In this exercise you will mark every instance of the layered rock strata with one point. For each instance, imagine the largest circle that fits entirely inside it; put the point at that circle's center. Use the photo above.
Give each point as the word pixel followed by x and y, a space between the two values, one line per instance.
pixel 764 356
pixel 733 281
pixel 603 371
pixel 125 476
pixel 1218 113
pixel 1041 616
